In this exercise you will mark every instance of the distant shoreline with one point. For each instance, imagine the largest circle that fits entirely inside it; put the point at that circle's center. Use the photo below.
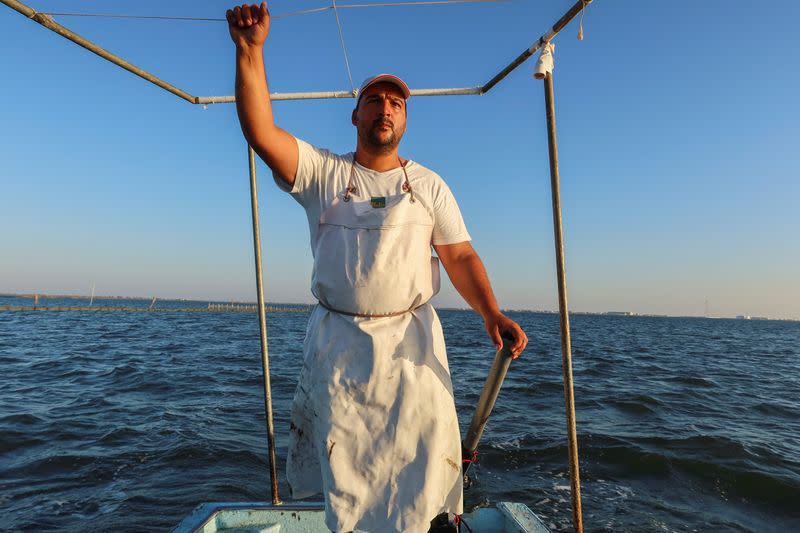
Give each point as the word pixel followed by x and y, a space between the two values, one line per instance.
pixel 621 314
pixel 135 298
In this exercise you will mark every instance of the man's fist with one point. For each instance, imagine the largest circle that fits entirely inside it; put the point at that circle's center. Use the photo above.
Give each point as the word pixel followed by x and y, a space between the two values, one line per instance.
pixel 248 24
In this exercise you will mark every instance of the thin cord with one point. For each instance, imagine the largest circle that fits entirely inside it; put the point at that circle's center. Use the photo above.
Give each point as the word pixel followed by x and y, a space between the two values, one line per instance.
pixel 274 17
pixel 112 16
pixel 344 49
pixel 429 3
pixel 185 19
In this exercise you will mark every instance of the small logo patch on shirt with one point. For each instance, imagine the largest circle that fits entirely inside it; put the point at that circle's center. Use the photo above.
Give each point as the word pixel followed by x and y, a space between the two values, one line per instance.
pixel 377 201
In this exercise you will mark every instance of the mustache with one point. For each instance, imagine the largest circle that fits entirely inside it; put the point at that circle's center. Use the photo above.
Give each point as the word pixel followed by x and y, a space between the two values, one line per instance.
pixel 383 122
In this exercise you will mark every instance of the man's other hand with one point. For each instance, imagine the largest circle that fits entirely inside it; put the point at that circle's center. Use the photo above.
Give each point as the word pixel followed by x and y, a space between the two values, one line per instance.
pixel 248 24
pixel 499 325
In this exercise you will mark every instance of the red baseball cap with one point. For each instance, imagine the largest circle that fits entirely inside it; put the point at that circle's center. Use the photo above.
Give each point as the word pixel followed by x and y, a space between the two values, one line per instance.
pixel 388 78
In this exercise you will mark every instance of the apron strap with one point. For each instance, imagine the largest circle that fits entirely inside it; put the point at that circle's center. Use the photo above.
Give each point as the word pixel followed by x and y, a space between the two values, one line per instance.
pixel 370 315
pixel 351 188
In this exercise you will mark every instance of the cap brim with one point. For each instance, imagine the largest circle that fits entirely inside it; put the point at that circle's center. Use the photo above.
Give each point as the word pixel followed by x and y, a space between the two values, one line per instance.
pixel 386 78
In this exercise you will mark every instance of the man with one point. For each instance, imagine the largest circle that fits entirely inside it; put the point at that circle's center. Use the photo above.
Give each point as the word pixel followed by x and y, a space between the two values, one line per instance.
pixel 373 426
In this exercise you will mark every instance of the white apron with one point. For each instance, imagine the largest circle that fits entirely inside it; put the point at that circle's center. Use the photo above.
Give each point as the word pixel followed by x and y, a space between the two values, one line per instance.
pixel 373 423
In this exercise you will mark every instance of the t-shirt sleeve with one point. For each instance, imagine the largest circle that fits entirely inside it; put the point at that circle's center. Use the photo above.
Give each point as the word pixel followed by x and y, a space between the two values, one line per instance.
pixel 448 225
pixel 311 165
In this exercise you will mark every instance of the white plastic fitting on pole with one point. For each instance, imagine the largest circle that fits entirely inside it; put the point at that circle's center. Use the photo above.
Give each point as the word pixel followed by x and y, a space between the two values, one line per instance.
pixel 545 63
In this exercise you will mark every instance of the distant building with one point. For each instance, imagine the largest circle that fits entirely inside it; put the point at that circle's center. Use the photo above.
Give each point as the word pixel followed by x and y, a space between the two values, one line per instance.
pixel 742 317
pixel 619 313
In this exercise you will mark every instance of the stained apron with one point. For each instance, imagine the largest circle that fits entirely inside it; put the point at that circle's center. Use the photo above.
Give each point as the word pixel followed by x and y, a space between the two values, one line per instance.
pixel 373 422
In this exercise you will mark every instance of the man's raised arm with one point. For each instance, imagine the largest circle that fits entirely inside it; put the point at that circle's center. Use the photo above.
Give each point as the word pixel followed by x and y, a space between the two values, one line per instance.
pixel 249 27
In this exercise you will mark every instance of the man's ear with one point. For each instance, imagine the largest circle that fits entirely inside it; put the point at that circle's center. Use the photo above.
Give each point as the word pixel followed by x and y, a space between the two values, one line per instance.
pixel 353 116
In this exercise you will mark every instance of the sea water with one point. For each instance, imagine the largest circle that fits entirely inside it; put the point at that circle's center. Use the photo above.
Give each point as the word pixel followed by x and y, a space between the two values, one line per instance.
pixel 121 421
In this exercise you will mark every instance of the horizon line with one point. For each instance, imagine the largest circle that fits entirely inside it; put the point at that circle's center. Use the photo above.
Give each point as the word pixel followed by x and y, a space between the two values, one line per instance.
pixel 625 314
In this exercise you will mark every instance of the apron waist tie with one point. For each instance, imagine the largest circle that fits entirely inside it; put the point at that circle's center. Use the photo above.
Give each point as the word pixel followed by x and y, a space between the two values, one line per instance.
pixel 370 315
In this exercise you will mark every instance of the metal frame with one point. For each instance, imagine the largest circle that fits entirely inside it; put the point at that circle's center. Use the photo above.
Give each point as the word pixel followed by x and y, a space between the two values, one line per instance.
pixel 566 349
pixel 52 25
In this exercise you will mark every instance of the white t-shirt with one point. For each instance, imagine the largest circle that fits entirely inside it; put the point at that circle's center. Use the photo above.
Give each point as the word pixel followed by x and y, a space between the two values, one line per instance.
pixel 321 175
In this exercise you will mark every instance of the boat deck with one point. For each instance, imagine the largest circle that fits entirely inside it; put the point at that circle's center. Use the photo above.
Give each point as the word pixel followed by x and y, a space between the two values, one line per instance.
pixel 256 517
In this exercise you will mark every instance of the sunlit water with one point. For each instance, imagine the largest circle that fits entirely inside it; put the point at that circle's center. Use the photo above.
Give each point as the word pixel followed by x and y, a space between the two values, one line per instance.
pixel 125 421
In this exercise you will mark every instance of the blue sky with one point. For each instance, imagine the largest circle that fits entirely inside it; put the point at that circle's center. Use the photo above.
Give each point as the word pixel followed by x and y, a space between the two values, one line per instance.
pixel 677 123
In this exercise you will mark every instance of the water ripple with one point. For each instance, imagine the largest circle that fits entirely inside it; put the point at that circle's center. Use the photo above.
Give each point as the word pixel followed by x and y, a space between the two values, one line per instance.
pixel 125 422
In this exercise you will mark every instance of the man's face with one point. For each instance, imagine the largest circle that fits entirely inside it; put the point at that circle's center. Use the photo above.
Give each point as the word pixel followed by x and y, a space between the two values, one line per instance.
pixel 381 116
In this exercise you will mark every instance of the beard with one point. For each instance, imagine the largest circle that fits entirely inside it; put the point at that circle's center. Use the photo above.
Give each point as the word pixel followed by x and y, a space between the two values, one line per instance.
pixel 378 140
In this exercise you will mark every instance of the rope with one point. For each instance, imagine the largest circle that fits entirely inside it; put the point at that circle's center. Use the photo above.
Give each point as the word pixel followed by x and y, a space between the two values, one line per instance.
pixel 274 17
pixel 580 26
pixel 185 19
pixel 470 460
pixel 428 3
pixel 344 50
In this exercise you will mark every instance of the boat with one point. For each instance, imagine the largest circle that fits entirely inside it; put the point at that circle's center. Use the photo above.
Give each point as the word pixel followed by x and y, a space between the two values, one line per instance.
pixel 308 517
pixel 263 517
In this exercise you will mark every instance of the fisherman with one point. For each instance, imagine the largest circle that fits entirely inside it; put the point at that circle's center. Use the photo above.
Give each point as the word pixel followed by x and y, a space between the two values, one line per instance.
pixel 373 422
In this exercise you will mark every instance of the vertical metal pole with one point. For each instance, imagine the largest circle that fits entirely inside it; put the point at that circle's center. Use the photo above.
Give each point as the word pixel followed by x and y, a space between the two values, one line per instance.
pixel 262 325
pixel 566 346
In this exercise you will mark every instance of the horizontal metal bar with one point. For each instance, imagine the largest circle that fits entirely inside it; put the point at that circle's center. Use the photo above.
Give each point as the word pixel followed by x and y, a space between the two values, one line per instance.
pixel 547 37
pixel 446 92
pixel 279 96
pixel 52 25
pixel 275 97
